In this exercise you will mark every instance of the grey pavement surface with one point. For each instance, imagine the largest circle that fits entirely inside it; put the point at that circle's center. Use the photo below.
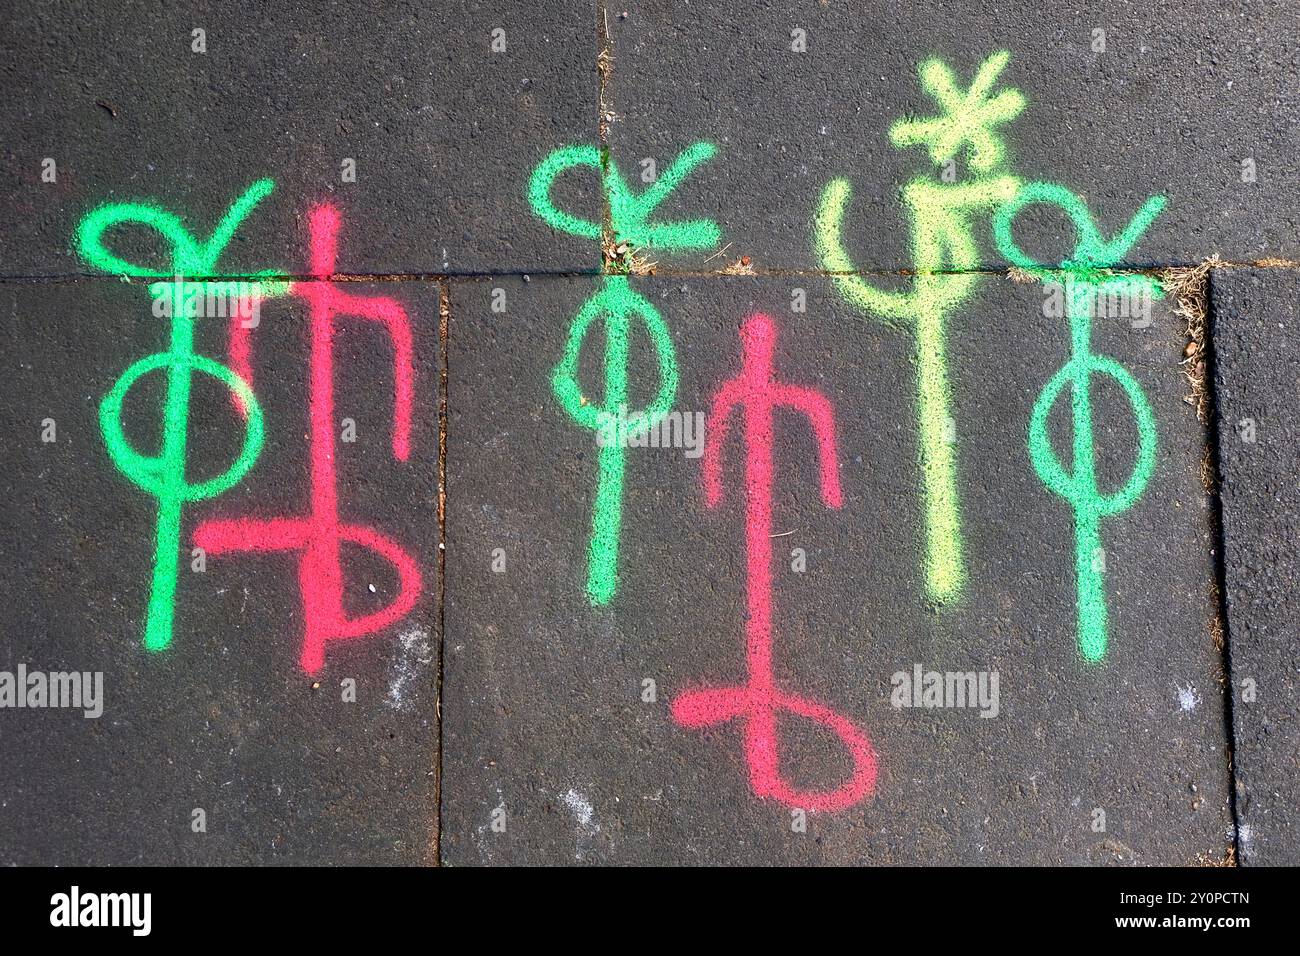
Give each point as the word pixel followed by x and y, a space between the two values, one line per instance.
pixel 504 719
pixel 1116 126
pixel 543 714
pixel 223 721
pixel 1256 317
pixel 442 129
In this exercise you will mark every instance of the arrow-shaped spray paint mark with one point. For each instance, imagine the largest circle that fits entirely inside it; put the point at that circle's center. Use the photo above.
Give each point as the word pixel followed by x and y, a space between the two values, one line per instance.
pixel 619 306
pixel 318 536
pixel 757 393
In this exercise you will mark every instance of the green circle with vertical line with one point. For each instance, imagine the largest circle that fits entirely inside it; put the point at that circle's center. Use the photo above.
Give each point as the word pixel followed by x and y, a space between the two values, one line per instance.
pixel 620 300
pixel 1077 373
pixel 150 472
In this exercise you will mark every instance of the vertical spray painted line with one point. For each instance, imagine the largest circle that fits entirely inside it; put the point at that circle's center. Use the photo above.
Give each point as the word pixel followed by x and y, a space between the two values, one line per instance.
pixel 163 475
pixel 943 250
pixel 318 536
pixel 1087 282
pixel 760 701
pixel 617 304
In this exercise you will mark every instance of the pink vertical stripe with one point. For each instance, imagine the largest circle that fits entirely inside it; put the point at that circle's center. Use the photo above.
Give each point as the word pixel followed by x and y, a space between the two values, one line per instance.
pixel 758 703
pixel 318 536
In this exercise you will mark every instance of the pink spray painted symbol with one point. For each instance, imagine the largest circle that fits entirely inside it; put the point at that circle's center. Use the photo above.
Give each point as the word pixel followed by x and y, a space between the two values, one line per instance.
pixel 319 535
pixel 760 701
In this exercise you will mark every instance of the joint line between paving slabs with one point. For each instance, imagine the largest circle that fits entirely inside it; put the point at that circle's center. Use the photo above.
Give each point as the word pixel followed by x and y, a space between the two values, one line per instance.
pixel 1220 588
pixel 1214 264
pixel 604 103
pixel 444 334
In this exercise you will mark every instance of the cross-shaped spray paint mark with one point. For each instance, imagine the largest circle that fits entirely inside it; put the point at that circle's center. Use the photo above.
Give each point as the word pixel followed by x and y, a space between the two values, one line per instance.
pixel 163 475
pixel 759 703
pixel 1087 283
pixel 618 305
pixel 319 535
pixel 945 252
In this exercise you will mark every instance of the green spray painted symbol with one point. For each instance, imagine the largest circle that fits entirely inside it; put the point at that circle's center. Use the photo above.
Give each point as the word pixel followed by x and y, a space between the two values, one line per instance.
pixel 619 307
pixel 1087 281
pixel 617 303
pixel 629 215
pixel 945 256
pixel 163 475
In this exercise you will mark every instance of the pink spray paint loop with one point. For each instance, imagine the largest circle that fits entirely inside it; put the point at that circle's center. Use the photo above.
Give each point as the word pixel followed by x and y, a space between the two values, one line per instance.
pixel 320 535
pixel 759 703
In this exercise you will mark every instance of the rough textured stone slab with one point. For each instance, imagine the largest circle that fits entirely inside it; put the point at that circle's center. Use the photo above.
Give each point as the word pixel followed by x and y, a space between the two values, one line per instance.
pixel 1255 320
pixel 1175 105
pixel 545 722
pixel 444 131
pixel 224 720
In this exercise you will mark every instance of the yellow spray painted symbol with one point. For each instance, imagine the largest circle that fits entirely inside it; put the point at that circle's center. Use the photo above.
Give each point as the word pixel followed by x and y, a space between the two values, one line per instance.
pixel 944 251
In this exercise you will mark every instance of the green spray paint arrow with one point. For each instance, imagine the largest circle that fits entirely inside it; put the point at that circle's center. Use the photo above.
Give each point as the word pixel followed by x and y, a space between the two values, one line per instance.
pixel 618 305
pixel 1087 282
pixel 629 214
pixel 163 475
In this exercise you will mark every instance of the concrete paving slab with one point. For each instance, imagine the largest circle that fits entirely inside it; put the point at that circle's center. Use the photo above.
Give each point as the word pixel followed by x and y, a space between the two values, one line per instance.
pixel 1121 102
pixel 443 128
pixel 1256 314
pixel 286 766
pixel 560 742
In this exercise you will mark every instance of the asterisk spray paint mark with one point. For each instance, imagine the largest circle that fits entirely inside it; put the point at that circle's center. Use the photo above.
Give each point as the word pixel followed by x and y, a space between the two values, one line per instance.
pixel 968 118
